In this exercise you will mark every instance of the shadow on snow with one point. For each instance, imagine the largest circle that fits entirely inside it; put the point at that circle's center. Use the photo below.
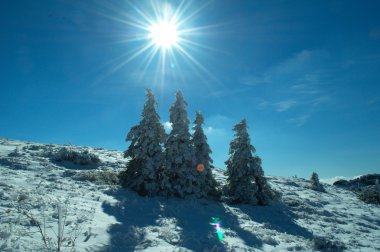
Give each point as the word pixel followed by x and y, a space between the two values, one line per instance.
pixel 187 223
pixel 133 213
pixel 189 220
pixel 276 217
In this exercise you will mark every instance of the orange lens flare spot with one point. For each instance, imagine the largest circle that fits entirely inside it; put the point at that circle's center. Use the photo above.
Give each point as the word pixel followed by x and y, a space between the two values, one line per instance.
pixel 200 167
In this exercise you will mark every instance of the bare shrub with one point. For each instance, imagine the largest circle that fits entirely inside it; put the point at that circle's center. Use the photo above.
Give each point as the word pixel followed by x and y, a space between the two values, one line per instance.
pixel 57 222
pixel 98 177
pixel 8 238
pixel 79 158
pixel 326 245
pixel 15 153
pixel 34 147
pixel 61 240
pixel 370 194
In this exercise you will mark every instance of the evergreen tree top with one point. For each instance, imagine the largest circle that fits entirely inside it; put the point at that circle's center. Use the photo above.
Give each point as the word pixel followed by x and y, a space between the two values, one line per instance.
pixel 150 105
pixel 179 100
pixel 242 139
pixel 241 128
pixel 199 140
pixel 178 114
pixel 199 120
pixel 149 131
pixel 314 176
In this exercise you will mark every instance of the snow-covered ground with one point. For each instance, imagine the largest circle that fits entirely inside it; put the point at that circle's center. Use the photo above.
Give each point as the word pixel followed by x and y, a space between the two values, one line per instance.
pixel 101 216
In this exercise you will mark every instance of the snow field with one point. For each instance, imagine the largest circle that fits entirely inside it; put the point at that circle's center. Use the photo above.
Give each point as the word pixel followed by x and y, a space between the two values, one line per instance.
pixel 105 217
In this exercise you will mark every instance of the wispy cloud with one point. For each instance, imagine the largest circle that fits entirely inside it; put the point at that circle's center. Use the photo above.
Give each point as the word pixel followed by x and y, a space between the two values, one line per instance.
pixel 216 126
pixel 251 80
pixel 262 104
pixel 306 86
pixel 298 83
pixel 209 130
pixel 299 120
pixel 225 92
pixel 284 105
pixel 301 72
pixel 279 106
pixel 321 100
pixel 217 120
pixel 215 132
pixel 305 64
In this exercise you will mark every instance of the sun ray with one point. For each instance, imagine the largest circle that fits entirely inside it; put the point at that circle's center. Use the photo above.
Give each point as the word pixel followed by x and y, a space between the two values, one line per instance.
pixel 150 58
pixel 166 38
pixel 199 45
pixel 195 62
pixel 133 56
pixel 145 17
pixel 133 23
pixel 179 11
pixel 178 68
pixel 185 19
pixel 163 62
pixel 139 52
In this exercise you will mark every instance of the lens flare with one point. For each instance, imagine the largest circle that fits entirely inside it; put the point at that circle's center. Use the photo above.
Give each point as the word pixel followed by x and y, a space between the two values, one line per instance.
pixel 200 168
pixel 215 222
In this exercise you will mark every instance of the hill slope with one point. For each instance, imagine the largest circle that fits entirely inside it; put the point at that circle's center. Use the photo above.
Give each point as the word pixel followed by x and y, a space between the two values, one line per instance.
pixel 100 216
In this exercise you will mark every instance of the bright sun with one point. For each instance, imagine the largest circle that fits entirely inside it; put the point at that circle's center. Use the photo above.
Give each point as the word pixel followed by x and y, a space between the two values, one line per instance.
pixel 164 34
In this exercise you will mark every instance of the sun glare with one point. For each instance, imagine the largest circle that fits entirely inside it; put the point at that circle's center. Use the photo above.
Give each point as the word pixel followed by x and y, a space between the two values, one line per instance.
pixel 164 34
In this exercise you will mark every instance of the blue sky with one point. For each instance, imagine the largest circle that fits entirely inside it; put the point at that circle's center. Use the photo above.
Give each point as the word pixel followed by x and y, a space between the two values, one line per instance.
pixel 305 75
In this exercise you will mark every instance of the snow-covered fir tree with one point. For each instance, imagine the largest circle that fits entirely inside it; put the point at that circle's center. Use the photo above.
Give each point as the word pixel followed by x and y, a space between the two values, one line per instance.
pixel 241 169
pixel 264 194
pixel 145 151
pixel 315 184
pixel 179 154
pixel 207 183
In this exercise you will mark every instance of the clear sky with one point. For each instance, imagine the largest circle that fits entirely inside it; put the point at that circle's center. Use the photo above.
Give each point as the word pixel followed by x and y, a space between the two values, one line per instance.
pixel 305 75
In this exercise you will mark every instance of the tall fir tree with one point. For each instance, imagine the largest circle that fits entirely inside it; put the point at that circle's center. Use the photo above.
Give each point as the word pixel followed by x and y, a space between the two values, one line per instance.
pixel 241 169
pixel 179 154
pixel 145 151
pixel 203 160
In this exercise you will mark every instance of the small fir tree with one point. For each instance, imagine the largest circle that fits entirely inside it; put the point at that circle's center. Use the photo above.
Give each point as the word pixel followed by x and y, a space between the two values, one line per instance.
pixel 315 184
pixel 264 194
pixel 207 183
pixel 179 154
pixel 240 167
pixel 145 151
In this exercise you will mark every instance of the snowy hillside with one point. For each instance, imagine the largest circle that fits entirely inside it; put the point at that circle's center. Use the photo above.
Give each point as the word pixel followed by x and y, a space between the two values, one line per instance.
pixel 98 215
